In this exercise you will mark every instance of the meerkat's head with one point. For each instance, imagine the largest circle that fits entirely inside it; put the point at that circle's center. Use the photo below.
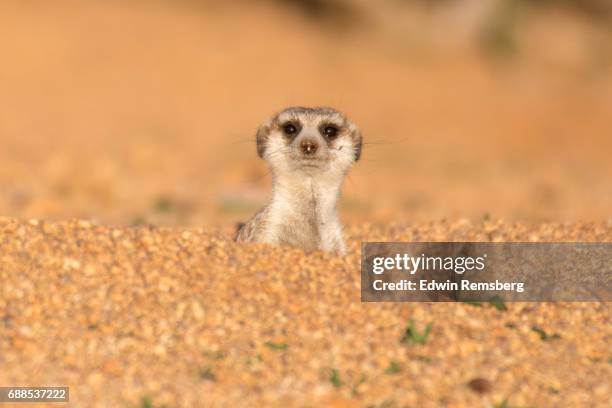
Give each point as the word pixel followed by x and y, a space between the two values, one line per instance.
pixel 309 140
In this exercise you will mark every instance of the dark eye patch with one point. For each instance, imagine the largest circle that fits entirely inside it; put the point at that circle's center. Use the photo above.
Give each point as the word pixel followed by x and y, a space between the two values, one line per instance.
pixel 330 131
pixel 290 129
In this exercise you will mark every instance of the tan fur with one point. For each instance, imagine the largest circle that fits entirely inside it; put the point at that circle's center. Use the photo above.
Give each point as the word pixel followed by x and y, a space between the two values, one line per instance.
pixel 306 187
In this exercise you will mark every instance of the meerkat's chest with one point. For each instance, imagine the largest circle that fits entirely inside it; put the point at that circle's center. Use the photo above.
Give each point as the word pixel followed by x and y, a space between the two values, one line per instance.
pixel 306 222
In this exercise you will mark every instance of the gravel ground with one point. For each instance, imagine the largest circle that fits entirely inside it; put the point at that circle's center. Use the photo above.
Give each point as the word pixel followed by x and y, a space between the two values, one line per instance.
pixel 147 317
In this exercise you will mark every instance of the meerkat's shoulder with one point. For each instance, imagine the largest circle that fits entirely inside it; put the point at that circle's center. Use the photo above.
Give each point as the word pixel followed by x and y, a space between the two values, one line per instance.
pixel 252 229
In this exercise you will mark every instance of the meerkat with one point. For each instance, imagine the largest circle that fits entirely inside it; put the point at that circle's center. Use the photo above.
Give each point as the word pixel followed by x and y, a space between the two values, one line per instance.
pixel 309 152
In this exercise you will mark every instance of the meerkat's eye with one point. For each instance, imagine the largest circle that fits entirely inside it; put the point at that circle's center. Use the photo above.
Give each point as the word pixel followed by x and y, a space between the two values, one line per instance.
pixel 330 132
pixel 290 129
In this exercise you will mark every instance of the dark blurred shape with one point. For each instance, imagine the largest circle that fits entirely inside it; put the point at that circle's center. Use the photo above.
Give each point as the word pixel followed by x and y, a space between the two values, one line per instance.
pixel 480 385
pixel 499 34
pixel 342 12
pixel 163 204
pixel 594 8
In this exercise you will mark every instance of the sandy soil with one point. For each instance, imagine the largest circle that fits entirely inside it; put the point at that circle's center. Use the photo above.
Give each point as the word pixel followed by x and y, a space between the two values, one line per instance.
pixel 185 317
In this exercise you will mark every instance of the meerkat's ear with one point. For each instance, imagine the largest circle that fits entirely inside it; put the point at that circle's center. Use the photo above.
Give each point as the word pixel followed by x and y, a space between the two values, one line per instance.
pixel 262 138
pixel 357 143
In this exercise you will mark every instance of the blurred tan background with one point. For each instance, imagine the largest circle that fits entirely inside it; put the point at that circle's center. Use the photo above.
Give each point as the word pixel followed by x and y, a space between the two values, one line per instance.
pixel 132 112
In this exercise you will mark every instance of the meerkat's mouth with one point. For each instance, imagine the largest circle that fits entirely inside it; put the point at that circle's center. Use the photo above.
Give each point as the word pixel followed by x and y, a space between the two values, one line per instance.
pixel 311 163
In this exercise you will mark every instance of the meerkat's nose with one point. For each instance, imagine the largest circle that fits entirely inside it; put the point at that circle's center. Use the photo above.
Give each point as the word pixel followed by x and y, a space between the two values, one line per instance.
pixel 309 147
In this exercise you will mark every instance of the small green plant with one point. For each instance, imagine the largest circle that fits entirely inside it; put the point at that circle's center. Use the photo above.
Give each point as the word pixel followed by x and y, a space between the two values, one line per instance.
pixel 498 304
pixel 545 336
pixel 334 378
pixel 206 373
pixel 502 404
pixel 147 402
pixel 276 346
pixel 362 379
pixel 393 368
pixel 412 335
pixel 254 360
